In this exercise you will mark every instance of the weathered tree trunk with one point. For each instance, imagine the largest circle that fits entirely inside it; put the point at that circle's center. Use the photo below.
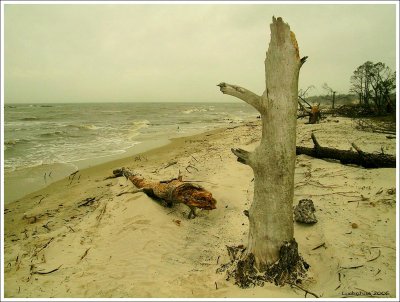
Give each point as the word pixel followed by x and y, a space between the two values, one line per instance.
pixel 360 158
pixel 273 161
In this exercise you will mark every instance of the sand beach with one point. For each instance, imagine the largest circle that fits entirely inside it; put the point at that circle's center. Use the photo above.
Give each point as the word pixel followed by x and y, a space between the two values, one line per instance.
pixel 129 246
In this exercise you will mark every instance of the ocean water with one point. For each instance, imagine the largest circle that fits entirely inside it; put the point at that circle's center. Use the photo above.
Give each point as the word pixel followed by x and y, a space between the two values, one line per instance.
pixel 46 142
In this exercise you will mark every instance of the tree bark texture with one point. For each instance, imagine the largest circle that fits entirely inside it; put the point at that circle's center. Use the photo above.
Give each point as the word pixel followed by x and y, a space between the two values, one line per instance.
pixel 359 158
pixel 273 161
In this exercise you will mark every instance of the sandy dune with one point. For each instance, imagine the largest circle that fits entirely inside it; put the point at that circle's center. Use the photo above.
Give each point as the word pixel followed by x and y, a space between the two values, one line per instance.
pixel 130 246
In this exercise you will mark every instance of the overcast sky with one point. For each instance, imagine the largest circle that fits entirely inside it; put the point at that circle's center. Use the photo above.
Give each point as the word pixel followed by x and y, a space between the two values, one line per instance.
pixel 128 52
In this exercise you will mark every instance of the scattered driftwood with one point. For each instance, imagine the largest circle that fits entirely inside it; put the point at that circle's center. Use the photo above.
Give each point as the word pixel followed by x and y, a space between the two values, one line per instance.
pixel 172 191
pixel 304 212
pixel 359 158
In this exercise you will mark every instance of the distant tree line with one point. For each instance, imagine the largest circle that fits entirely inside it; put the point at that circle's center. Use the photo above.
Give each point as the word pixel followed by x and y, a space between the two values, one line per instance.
pixel 373 87
pixel 374 84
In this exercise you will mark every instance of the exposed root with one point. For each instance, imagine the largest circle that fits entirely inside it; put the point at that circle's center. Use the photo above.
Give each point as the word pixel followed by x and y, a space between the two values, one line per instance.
pixel 289 269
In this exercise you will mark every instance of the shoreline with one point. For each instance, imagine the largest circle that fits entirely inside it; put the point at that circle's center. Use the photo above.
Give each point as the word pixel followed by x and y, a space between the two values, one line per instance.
pixel 126 245
pixel 12 182
pixel 60 171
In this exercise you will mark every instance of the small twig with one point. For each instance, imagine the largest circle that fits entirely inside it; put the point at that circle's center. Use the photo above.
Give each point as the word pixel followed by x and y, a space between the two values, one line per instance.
pixel 84 254
pixel 190 166
pixel 194 158
pixel 87 201
pixel 379 253
pixel 318 246
pixel 131 192
pixel 303 289
pixel 352 267
pixel 46 226
pixel 377 247
pixel 100 216
pixel 216 285
pixel 42 199
pixel 170 164
pixel 44 246
pixel 71 228
pixel 45 273
pixel 73 174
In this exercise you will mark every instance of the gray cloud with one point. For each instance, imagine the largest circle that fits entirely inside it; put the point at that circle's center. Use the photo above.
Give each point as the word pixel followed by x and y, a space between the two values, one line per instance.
pixel 127 52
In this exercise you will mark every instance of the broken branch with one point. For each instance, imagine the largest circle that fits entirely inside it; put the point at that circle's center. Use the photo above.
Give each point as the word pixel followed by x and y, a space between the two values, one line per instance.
pixel 242 93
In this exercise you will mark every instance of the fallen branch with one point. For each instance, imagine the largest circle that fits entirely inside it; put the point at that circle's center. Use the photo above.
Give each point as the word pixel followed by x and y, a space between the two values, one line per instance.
pixel 172 191
pixel 360 158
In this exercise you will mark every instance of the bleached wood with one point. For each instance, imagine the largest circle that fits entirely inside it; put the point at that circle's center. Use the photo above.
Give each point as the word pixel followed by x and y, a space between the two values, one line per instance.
pixel 273 161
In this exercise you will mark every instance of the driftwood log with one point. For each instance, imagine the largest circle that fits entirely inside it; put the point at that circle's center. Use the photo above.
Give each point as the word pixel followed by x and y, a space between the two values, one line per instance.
pixel 172 191
pixel 359 158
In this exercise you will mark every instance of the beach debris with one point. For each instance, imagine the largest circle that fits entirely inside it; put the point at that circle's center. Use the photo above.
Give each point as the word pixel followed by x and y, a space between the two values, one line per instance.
pixel 376 257
pixel 84 254
pixel 40 200
pixel 354 225
pixel 170 164
pixel 318 246
pixel 173 191
pixel 41 272
pixel 177 222
pixel 100 216
pixel 303 289
pixel 87 202
pixel 72 176
pixel 37 251
pixel 190 166
pixel 359 158
pixel 391 191
pixel 46 226
pixel 31 218
pixel 304 212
